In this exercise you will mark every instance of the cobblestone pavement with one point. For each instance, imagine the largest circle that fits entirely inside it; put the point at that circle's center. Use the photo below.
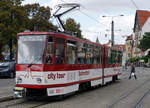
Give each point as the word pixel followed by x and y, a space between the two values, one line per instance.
pixel 104 96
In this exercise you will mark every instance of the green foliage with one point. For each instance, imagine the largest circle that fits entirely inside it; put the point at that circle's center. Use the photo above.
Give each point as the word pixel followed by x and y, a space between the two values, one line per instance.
pixel 134 59
pixel 72 26
pixel 15 18
pixel 137 59
pixel 39 17
pixel 13 2
pixel 12 21
pixel 145 42
pixel 145 58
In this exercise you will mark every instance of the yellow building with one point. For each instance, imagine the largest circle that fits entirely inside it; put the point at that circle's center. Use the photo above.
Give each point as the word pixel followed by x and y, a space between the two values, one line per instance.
pixel 129 47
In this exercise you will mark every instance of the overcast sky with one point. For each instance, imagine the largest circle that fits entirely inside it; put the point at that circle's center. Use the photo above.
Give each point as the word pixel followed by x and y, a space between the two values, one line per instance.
pixel 92 23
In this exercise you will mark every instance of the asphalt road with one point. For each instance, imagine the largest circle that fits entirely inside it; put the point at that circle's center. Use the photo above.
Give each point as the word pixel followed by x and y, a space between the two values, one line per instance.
pixel 6 86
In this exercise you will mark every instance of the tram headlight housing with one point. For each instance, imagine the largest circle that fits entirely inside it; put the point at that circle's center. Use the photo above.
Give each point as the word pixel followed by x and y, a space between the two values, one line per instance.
pixel 39 80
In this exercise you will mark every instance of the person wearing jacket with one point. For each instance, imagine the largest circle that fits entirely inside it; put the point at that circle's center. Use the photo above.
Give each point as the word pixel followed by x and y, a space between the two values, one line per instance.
pixel 132 73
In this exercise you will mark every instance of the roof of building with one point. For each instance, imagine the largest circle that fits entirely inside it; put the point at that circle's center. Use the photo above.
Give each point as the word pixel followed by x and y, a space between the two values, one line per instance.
pixel 97 40
pixel 141 16
pixel 119 47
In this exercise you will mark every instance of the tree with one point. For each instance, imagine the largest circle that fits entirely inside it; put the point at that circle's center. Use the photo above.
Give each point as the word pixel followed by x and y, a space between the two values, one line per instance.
pixel 145 42
pixel 39 17
pixel 72 26
pixel 12 20
pixel 16 18
pixel 13 2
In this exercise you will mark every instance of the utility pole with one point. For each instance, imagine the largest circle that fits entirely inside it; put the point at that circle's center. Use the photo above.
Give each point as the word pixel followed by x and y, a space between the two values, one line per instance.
pixel 112 29
pixel 112 33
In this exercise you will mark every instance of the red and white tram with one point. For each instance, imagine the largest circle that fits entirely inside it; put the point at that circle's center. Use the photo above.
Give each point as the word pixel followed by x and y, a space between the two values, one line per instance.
pixel 51 64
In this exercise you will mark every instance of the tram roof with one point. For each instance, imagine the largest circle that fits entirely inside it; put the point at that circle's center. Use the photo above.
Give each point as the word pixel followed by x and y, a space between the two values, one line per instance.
pixel 66 35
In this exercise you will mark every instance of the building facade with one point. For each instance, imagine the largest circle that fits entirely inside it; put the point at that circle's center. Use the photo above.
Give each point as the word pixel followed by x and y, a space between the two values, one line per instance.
pixel 141 25
pixel 129 47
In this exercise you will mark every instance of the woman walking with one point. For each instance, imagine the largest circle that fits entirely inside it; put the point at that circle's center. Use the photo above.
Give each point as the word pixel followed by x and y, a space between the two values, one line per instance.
pixel 132 73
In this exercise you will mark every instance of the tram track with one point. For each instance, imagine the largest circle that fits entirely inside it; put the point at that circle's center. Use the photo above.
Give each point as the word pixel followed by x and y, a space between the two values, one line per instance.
pixel 130 92
pixel 22 103
pixel 140 102
pixel 36 106
pixel 25 103
pixel 11 103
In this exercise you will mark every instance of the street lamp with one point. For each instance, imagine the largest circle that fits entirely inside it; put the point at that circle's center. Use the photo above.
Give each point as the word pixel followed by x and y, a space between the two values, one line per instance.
pixel 112 29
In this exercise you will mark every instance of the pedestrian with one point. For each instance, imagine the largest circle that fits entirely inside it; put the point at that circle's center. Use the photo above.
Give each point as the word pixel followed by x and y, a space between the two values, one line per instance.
pixel 126 65
pixel 132 73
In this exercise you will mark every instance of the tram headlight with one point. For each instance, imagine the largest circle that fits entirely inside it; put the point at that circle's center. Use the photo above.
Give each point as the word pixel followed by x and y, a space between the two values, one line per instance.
pixel 39 80
pixel 19 80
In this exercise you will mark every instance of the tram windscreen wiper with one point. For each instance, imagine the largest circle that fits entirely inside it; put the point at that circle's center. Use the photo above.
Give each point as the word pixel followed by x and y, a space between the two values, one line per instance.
pixel 36 59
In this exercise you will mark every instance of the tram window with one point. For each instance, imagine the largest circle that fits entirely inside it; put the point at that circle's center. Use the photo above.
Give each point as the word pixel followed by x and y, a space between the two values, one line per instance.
pixel 71 52
pixel 81 53
pixel 114 56
pixel 109 55
pixel 101 55
pixel 89 54
pixel 106 56
pixel 96 57
pixel 60 51
pixel 49 58
pixel 119 57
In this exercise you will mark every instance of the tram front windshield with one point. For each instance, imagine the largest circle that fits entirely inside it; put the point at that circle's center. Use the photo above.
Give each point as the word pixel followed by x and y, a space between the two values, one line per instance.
pixel 31 49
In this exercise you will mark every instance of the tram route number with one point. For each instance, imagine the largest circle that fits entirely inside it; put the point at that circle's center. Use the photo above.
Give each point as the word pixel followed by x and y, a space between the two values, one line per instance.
pixel 56 76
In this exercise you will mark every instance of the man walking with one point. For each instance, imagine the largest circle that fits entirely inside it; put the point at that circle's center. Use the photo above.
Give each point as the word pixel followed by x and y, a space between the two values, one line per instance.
pixel 132 73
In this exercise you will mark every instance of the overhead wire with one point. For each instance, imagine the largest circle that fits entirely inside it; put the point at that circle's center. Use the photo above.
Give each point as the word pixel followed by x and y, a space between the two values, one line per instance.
pixel 133 2
pixel 90 18
pixel 88 15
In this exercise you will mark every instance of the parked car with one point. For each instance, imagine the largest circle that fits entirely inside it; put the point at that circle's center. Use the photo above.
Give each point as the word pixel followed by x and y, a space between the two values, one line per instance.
pixel 8 69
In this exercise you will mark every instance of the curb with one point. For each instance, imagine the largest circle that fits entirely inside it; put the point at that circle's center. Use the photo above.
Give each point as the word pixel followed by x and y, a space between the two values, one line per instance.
pixel 2 99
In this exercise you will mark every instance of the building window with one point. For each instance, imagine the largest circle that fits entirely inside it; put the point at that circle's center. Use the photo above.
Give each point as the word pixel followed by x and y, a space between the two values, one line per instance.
pixel 129 55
